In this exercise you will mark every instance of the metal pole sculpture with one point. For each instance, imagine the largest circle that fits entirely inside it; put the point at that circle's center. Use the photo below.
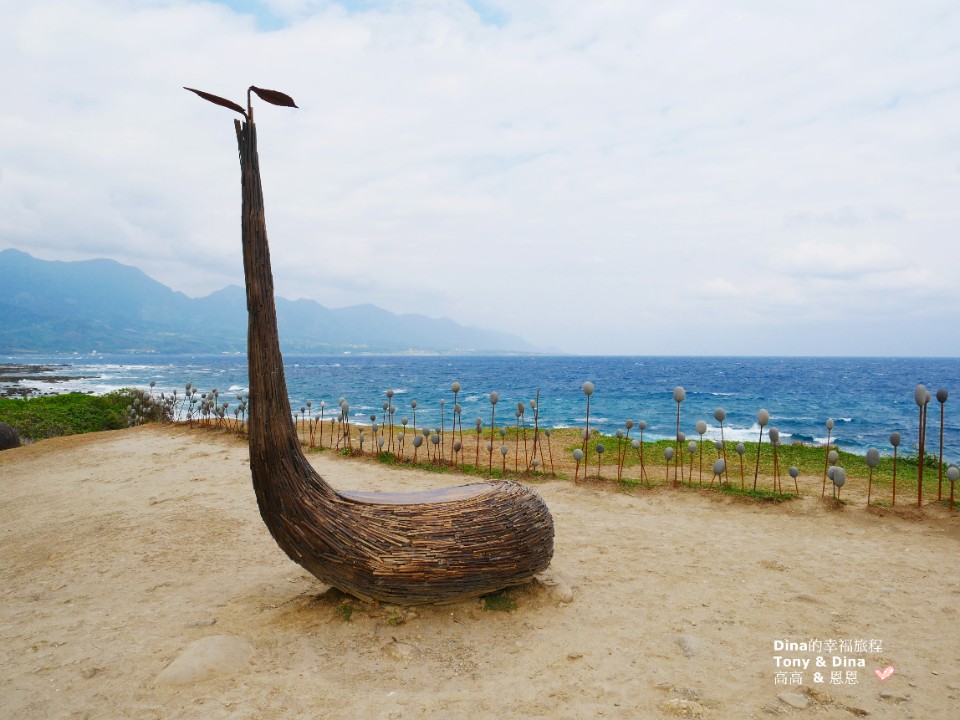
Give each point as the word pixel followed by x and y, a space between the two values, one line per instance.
pixel 763 417
pixel 720 415
pixel 629 425
pixel 494 399
pixel 643 470
pixel 619 455
pixel 455 387
pixel 679 395
pixel 942 399
pixel 390 411
pixel 701 429
pixel 895 441
pixel 741 449
pixel 588 389
pixel 691 451
pixel 547 434
pixel 404 548
pixel 953 474
pixel 719 466
pixel 719 447
pixel 523 428
pixel 872 460
pixel 537 442
pixel 516 439
pixel 774 435
pixel 442 428
pixel 921 397
pixel 681 439
pixel 839 479
pixel 826 453
pixel 476 462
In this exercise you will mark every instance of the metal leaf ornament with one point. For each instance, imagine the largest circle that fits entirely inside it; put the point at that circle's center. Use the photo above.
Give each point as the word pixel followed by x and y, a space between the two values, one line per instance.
pixel 274 97
pixel 217 100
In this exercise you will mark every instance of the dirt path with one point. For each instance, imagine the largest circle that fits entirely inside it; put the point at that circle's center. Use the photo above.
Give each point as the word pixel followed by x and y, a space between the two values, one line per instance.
pixel 122 549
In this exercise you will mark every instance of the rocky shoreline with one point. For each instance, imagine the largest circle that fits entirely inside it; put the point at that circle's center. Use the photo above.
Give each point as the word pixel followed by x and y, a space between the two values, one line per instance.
pixel 26 379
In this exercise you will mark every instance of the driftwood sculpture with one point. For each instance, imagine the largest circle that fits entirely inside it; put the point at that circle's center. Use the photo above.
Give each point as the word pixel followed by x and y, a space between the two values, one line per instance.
pixel 404 548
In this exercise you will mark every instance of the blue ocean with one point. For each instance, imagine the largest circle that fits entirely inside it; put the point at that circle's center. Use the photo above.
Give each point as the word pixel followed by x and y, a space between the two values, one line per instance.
pixel 868 398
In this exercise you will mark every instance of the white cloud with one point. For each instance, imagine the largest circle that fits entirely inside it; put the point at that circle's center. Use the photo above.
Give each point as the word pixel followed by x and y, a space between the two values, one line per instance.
pixel 551 169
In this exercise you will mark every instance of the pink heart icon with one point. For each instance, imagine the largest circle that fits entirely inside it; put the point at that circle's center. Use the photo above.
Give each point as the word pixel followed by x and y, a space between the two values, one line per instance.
pixel 885 673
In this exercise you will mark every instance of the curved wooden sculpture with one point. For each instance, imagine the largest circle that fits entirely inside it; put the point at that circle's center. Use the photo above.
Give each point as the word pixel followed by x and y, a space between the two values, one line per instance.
pixel 404 548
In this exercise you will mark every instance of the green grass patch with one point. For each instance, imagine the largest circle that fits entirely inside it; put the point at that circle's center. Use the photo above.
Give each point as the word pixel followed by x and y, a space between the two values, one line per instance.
pixel 499 601
pixel 70 414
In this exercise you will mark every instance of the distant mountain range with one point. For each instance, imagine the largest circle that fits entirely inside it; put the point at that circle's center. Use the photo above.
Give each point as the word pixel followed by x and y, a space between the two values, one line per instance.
pixel 102 305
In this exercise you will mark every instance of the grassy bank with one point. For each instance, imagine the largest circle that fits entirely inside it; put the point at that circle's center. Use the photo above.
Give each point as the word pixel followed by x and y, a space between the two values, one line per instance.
pixel 53 415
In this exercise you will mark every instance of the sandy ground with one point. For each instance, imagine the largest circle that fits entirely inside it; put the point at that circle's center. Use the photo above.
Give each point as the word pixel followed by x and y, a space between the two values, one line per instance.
pixel 121 550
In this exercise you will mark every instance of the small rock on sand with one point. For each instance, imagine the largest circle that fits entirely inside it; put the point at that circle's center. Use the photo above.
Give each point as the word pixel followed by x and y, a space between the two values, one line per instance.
pixel 205 658
pixel 689 645
pixel 401 650
pixel 558 586
pixel 896 697
pixel 794 700
pixel 202 622
pixel 678 707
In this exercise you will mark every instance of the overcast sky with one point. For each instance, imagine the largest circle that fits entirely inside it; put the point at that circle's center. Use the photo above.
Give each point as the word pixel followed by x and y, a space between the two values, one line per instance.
pixel 597 177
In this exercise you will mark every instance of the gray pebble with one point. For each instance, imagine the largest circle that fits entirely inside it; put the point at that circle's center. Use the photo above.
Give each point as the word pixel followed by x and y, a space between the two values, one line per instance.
pixel 794 700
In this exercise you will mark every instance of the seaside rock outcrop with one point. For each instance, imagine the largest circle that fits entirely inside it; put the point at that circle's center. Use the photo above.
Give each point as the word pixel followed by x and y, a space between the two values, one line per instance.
pixel 8 437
